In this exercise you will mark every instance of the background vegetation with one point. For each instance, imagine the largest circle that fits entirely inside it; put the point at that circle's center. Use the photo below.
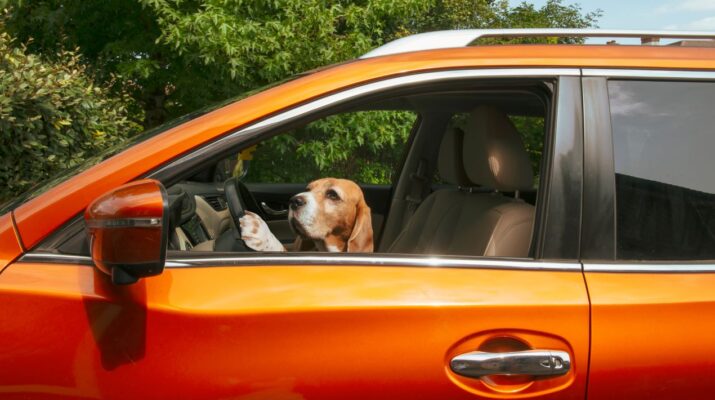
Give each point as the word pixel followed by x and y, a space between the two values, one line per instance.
pixel 111 68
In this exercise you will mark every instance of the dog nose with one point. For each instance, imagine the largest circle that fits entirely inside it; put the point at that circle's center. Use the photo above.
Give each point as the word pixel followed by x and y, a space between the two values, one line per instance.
pixel 296 202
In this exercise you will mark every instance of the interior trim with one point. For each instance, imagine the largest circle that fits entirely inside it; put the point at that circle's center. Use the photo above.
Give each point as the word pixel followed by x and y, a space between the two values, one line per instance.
pixel 324 259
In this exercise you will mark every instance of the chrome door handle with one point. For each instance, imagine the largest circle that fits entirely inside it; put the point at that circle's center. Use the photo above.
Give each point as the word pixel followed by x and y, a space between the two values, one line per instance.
pixel 270 211
pixel 530 362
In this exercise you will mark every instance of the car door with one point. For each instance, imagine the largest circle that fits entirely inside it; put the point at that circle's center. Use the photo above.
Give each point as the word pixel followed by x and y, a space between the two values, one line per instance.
pixel 648 237
pixel 316 325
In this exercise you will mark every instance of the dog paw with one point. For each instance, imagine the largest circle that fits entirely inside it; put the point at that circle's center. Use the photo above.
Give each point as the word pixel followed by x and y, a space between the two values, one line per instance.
pixel 256 234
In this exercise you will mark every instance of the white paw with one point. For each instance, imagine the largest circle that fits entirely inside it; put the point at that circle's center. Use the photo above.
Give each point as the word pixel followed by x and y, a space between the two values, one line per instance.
pixel 256 234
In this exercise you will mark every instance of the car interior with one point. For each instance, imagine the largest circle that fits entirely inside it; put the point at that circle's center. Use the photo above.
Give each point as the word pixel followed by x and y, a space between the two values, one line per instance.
pixel 465 184
pixel 482 205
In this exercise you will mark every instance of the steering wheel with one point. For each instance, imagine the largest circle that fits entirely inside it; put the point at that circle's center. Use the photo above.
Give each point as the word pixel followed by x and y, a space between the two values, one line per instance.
pixel 237 208
pixel 236 205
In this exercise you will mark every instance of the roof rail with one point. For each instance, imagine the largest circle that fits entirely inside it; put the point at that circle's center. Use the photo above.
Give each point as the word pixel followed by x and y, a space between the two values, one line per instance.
pixel 463 37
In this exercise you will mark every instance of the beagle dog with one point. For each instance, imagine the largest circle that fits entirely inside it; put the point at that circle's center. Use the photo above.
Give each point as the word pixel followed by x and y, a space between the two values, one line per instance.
pixel 331 216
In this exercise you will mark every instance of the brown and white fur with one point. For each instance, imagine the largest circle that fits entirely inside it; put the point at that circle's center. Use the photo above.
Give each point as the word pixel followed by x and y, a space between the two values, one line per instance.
pixel 330 216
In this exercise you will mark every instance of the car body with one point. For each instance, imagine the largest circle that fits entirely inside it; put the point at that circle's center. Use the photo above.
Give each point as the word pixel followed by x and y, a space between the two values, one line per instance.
pixel 381 325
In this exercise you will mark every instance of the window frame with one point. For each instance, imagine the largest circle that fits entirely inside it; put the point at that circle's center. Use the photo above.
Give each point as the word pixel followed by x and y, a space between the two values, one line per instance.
pixel 550 218
pixel 598 244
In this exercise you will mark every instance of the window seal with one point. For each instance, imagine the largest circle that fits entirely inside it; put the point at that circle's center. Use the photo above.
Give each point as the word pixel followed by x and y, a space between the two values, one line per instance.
pixel 206 259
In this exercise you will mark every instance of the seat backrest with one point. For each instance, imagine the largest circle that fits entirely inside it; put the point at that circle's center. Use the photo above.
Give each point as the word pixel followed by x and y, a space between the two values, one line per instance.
pixel 464 222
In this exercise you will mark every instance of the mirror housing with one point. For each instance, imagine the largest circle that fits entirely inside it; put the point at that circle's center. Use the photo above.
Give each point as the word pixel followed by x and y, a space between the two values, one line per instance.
pixel 128 231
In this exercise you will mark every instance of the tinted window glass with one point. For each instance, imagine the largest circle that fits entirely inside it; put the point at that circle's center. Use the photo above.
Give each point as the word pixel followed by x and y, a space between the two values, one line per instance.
pixel 664 140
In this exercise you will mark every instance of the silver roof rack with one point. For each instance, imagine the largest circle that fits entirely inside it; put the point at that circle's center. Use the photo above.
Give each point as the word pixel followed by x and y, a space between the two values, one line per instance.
pixel 463 37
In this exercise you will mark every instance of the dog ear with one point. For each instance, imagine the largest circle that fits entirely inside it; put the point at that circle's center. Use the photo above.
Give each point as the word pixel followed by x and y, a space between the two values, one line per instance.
pixel 361 237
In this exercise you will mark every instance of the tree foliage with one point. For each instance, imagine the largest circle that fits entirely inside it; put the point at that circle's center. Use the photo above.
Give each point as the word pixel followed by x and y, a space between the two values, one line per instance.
pixel 486 14
pixel 52 116
pixel 175 56
pixel 178 55
pixel 363 146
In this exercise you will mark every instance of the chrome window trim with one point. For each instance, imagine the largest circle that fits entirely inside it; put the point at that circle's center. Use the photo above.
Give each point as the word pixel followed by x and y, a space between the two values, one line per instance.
pixel 384 260
pixel 316 259
pixel 148 222
pixel 254 129
pixel 37 256
pixel 671 267
pixel 649 73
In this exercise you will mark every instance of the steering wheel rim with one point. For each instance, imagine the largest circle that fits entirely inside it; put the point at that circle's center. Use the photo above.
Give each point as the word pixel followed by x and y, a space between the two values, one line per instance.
pixel 236 206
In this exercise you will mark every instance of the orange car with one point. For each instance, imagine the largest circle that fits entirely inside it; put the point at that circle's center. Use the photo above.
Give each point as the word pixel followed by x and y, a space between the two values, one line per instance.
pixel 569 264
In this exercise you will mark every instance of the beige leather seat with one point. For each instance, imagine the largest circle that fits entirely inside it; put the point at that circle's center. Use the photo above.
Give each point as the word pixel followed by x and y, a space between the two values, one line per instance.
pixel 461 222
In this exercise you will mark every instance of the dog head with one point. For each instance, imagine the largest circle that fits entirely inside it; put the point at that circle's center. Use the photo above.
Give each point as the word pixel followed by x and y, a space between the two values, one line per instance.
pixel 332 214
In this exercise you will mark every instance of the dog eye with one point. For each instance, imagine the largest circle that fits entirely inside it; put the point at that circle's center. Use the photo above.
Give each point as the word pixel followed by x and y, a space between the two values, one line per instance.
pixel 332 194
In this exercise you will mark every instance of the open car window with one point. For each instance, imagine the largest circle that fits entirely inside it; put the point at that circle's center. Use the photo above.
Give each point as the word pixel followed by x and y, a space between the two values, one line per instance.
pixel 388 149
pixel 425 197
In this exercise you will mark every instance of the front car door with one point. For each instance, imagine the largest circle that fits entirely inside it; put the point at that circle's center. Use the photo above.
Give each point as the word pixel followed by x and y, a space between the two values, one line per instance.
pixel 312 325
pixel 649 237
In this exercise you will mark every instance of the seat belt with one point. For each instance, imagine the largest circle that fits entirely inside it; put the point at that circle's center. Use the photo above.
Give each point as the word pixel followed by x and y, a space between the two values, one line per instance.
pixel 419 187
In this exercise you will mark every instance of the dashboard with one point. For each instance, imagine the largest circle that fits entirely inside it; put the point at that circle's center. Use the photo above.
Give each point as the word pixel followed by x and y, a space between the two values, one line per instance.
pixel 198 215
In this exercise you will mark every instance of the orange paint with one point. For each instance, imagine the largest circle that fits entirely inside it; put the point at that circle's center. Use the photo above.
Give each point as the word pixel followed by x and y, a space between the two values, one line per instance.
pixel 340 332
pixel 276 332
pixel 10 247
pixel 652 335
pixel 129 245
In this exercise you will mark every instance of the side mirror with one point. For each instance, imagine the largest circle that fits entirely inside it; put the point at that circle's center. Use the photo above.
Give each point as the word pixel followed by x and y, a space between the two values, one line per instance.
pixel 128 229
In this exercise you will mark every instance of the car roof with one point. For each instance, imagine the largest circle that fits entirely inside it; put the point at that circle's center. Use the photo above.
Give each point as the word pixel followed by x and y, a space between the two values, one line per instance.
pixel 464 37
pixel 555 56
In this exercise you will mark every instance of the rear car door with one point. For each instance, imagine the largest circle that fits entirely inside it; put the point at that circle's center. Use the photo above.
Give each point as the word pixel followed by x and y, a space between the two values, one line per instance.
pixel 316 325
pixel 649 237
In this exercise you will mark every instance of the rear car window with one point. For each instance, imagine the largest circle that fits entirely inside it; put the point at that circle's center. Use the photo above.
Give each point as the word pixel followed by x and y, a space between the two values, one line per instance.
pixel 663 140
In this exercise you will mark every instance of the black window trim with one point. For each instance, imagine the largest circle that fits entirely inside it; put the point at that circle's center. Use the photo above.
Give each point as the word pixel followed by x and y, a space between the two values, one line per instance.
pixel 560 215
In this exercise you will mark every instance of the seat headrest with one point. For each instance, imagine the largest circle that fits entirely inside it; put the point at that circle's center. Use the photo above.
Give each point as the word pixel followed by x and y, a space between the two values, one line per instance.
pixel 449 162
pixel 493 152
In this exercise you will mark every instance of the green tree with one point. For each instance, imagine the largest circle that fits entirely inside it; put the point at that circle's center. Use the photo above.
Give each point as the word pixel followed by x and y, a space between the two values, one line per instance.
pixel 364 146
pixel 174 56
pixel 491 14
pixel 52 116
